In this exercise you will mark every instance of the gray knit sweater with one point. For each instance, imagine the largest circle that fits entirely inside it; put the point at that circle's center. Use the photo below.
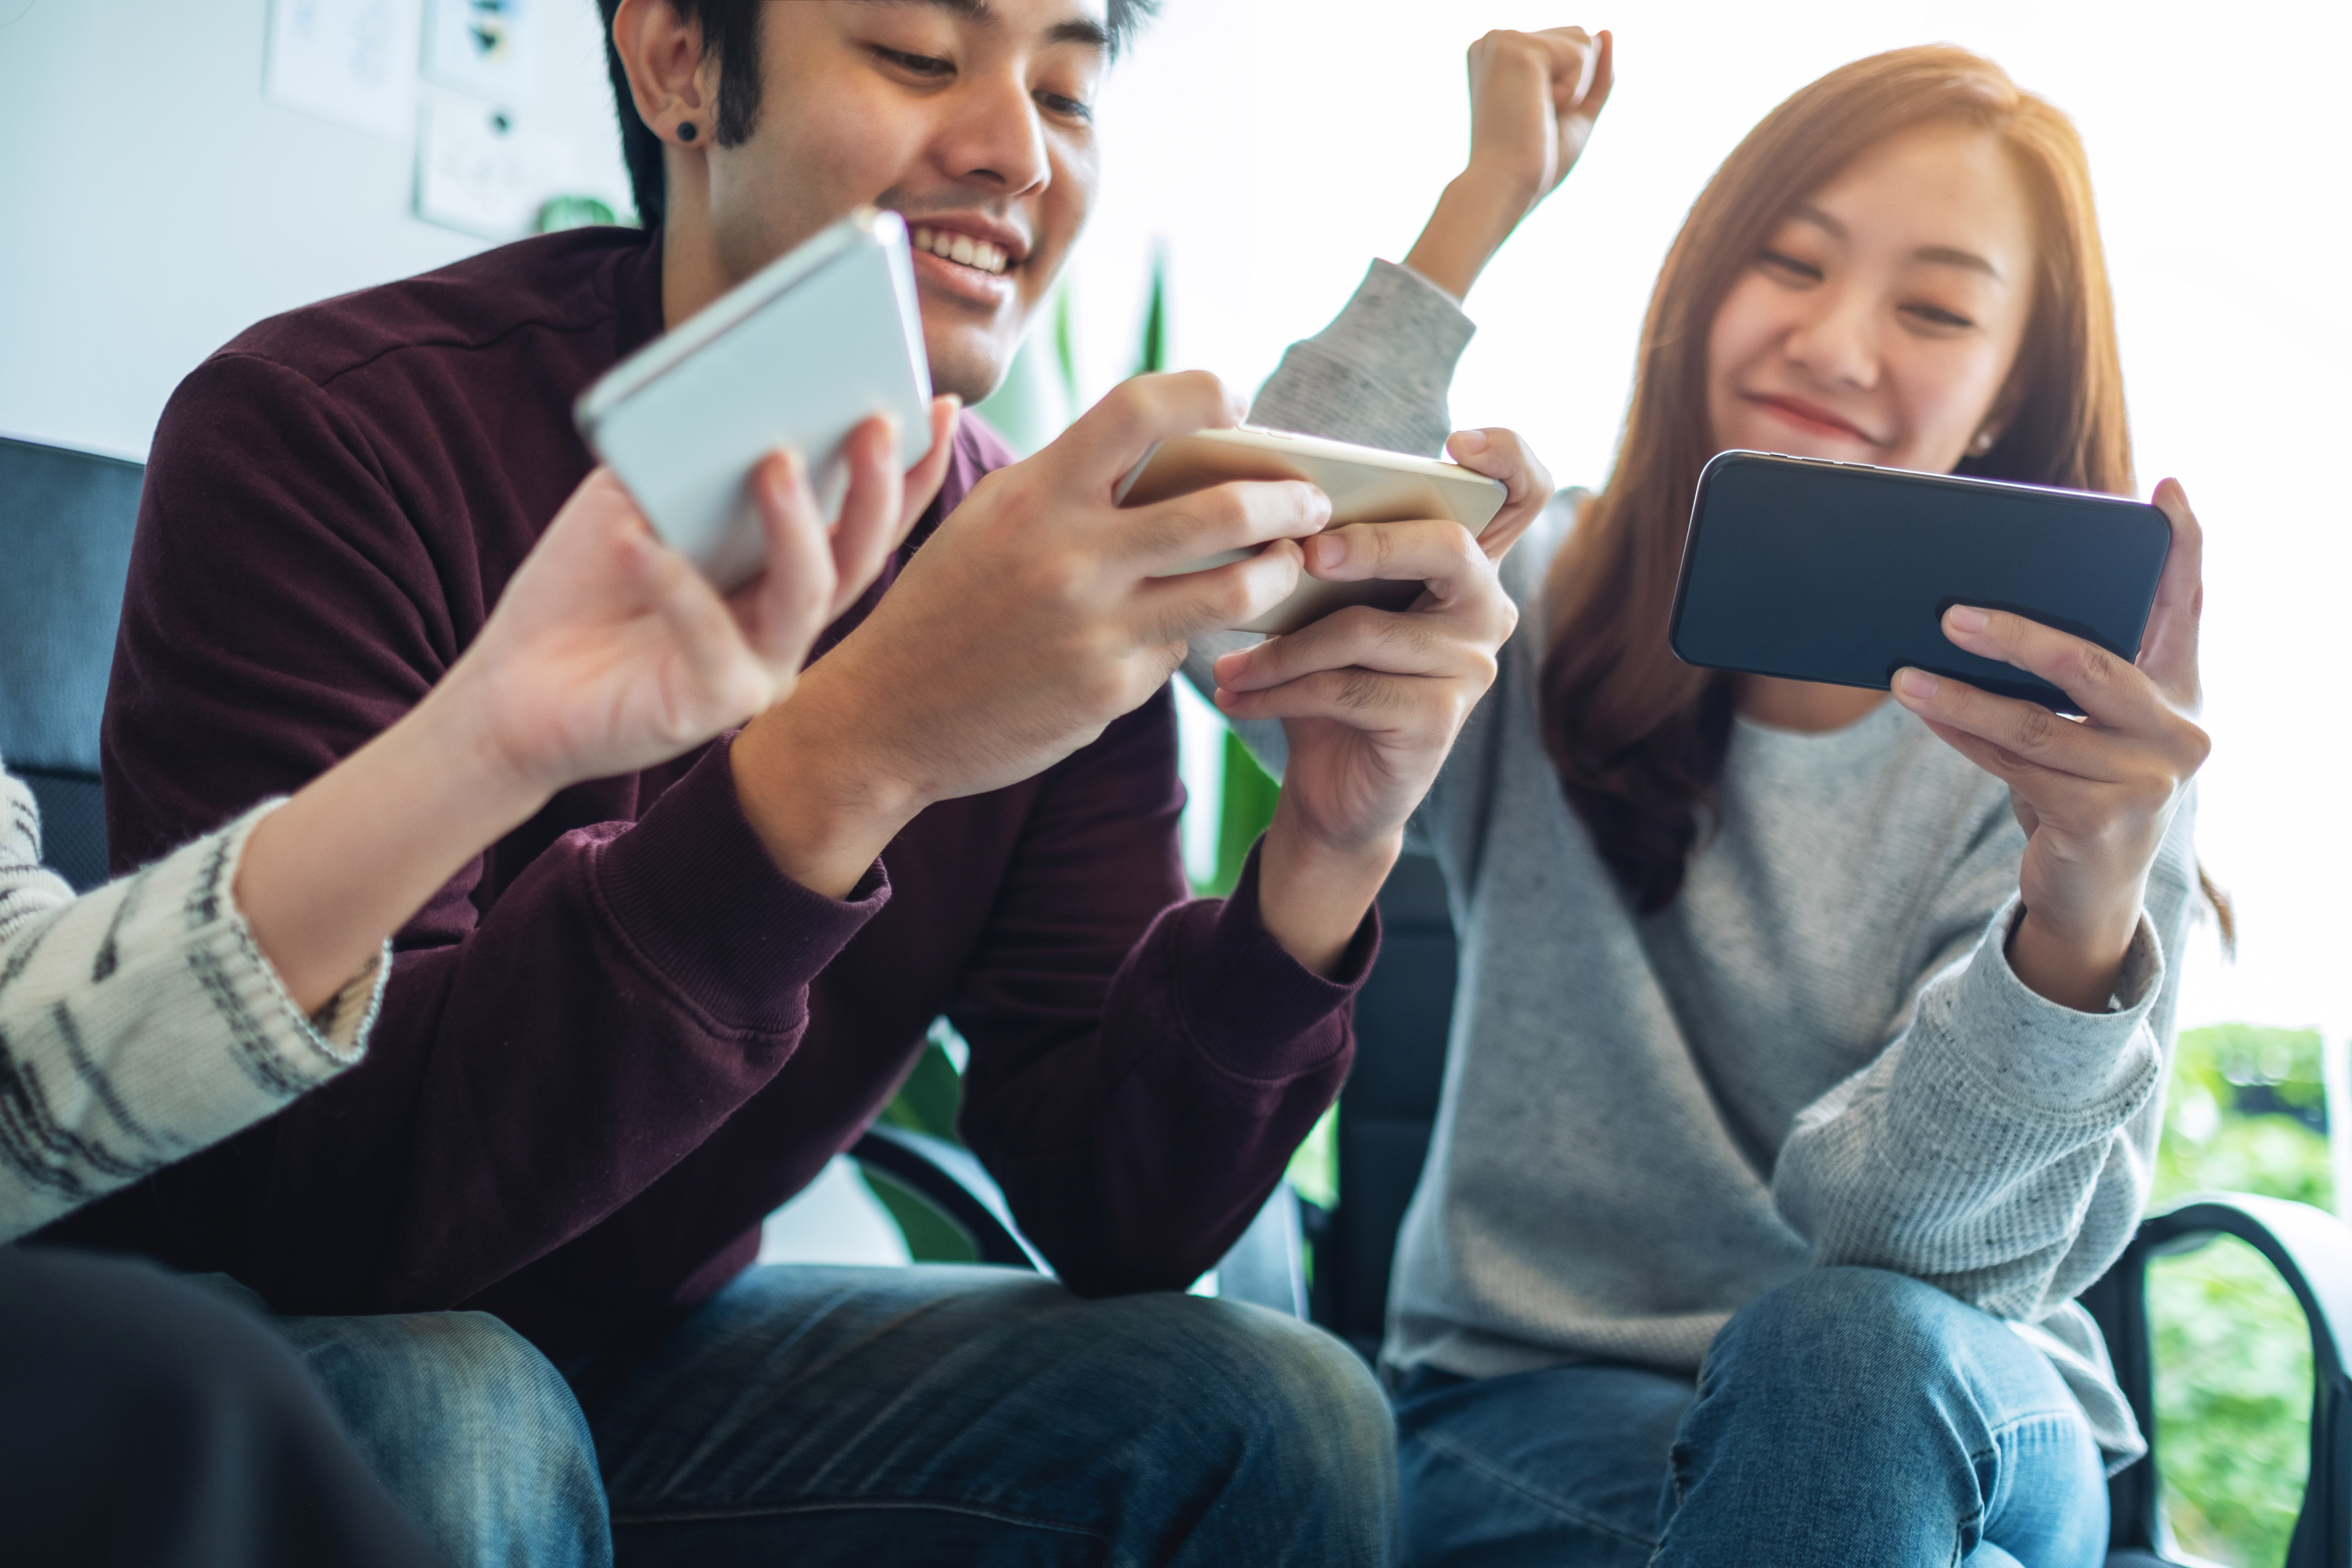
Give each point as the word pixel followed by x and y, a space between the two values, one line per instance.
pixel 1818 1055
pixel 139 1023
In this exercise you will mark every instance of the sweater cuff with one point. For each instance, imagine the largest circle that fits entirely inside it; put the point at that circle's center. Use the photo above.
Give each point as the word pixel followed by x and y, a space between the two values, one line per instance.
pixel 691 891
pixel 1254 1010
pixel 336 1034
pixel 2045 1055
pixel 1378 375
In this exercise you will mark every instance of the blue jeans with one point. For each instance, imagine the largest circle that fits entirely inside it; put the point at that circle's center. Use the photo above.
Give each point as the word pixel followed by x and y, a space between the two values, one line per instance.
pixel 1850 1416
pixel 471 1428
pixel 970 1416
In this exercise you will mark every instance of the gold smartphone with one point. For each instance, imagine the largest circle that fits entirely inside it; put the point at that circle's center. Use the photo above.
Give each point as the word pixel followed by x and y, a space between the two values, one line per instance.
pixel 1365 484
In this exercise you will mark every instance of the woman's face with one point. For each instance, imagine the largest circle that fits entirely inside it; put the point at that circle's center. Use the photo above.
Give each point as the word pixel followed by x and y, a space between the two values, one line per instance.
pixel 1879 322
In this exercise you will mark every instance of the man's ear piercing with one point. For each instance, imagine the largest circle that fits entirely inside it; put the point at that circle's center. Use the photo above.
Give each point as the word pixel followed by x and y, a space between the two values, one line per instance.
pixel 1984 443
pixel 686 131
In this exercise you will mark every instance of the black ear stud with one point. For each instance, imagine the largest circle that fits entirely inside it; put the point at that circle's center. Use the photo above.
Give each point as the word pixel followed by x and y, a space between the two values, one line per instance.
pixel 686 131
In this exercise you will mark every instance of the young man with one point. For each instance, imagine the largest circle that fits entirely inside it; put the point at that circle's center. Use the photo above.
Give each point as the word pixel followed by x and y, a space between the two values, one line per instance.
pixel 653 1012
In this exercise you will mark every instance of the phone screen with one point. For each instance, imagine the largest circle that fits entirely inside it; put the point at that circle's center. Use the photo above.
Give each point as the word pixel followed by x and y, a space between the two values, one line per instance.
pixel 1840 573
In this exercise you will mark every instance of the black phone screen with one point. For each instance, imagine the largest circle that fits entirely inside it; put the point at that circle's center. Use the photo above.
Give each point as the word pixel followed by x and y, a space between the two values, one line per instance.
pixel 1840 573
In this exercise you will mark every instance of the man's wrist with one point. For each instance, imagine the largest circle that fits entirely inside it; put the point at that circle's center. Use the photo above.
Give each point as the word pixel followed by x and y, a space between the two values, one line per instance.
pixel 1313 894
pixel 822 813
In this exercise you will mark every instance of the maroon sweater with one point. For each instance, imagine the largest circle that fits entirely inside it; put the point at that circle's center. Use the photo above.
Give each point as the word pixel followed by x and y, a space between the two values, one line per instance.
pixel 621 1037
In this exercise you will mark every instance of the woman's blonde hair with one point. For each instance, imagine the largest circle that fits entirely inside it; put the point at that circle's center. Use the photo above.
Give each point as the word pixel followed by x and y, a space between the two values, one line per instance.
pixel 1638 737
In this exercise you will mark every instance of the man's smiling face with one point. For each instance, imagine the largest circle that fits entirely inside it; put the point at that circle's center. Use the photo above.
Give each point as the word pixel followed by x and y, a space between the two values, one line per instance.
pixel 974 119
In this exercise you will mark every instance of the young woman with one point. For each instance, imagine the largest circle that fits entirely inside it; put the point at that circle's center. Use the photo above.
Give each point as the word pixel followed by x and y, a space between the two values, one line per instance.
pixel 1808 1055
pixel 142 1421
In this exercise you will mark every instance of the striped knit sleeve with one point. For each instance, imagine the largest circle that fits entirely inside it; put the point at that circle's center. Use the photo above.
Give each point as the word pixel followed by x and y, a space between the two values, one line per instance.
pixel 26 890
pixel 139 1023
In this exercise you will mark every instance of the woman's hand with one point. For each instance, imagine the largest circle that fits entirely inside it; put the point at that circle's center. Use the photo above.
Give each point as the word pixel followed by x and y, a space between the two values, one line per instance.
pixel 1534 97
pixel 1372 699
pixel 2095 798
pixel 1526 484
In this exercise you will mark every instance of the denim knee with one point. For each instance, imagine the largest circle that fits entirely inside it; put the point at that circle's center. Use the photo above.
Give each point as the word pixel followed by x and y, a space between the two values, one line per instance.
pixel 472 1428
pixel 1869 1409
pixel 1300 1416
pixel 1836 1322
pixel 1875 1352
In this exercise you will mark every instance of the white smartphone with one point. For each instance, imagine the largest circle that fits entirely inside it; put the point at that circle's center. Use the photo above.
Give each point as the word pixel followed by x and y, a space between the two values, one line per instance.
pixel 1365 484
pixel 800 353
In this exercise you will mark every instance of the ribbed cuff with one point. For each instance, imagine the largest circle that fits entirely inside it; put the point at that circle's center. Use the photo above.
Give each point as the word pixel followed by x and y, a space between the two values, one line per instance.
pixel 692 891
pixel 310 1047
pixel 1378 374
pixel 1256 1011
pixel 2040 1053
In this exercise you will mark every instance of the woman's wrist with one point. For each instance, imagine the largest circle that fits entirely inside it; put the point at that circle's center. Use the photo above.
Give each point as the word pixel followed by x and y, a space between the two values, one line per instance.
pixel 336 871
pixel 1476 215
pixel 2074 966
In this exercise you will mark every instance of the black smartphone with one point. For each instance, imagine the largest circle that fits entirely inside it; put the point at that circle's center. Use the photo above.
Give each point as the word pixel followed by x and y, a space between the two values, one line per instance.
pixel 1841 573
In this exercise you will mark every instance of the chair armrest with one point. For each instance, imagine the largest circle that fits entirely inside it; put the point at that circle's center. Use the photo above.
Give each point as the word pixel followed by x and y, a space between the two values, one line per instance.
pixel 952 1180
pixel 2312 1251
pixel 1267 1267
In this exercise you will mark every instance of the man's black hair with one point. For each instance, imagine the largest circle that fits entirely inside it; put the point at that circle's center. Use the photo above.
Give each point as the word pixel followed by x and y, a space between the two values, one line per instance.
pixel 731 30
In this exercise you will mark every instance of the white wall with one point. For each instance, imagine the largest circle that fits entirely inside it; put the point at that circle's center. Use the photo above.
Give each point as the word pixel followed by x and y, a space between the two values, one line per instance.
pixel 152 204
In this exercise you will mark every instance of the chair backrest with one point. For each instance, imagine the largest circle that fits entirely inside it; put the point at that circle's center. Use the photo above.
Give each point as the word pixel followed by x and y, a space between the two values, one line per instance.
pixel 1390 1105
pixel 66 522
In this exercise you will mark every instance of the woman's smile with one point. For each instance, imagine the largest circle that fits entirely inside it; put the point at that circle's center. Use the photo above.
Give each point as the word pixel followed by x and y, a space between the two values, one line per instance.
pixel 1811 418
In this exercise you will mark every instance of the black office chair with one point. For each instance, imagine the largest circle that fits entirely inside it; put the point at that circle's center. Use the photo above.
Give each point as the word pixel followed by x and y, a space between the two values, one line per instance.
pixel 66 518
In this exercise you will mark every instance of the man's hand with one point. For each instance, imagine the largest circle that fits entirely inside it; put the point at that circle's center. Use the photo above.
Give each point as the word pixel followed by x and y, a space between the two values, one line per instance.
pixel 2094 799
pixel 1534 97
pixel 1018 632
pixel 1372 699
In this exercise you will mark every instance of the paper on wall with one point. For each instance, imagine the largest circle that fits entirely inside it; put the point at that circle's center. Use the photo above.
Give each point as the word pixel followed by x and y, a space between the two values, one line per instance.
pixel 349 61
pixel 488 48
pixel 481 169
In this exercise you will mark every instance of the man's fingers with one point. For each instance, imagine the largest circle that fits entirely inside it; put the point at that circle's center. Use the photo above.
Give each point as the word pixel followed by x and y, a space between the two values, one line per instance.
pixel 1237 515
pixel 2028 733
pixel 1501 455
pixel 2108 689
pixel 1112 437
pixel 2168 651
pixel 923 480
pixel 1184 606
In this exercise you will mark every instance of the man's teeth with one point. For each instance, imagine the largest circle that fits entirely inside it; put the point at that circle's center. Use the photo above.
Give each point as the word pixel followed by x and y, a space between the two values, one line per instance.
pixel 960 247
